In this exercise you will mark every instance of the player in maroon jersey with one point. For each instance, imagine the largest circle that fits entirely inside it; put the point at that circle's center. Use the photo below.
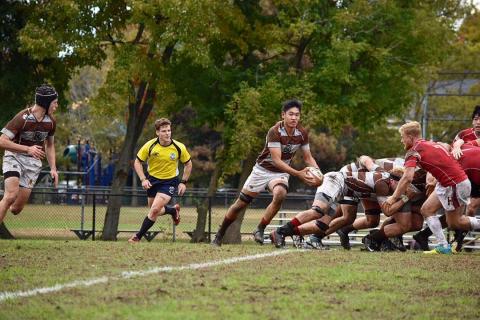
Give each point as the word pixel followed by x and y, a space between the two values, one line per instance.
pixel 27 139
pixel 451 191
pixel 336 186
pixel 272 170
pixel 467 135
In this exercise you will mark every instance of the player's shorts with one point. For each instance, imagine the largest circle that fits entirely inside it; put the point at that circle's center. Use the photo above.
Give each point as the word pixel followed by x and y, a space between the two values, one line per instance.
pixel 332 189
pixel 165 186
pixel 259 178
pixel 454 196
pixel 25 167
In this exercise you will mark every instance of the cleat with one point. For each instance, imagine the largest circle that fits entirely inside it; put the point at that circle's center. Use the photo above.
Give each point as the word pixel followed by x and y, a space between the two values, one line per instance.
pixel 315 243
pixel 440 249
pixel 258 235
pixel 370 244
pixel 176 216
pixel 422 241
pixel 397 242
pixel 344 239
pixel 457 243
pixel 387 245
pixel 134 239
pixel 217 241
pixel 277 239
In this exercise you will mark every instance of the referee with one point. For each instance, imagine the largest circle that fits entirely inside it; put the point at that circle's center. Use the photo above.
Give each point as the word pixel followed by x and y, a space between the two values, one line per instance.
pixel 162 155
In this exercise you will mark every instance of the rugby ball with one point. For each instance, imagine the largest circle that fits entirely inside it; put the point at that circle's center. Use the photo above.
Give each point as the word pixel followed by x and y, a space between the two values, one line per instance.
pixel 315 172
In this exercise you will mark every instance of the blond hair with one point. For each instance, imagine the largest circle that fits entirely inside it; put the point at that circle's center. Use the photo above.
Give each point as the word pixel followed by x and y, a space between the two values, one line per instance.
pixel 412 129
pixel 162 122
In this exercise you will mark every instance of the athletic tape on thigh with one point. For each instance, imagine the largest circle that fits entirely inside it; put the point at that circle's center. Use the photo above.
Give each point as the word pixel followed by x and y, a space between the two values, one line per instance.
pixel 319 210
pixel 245 197
pixel 321 225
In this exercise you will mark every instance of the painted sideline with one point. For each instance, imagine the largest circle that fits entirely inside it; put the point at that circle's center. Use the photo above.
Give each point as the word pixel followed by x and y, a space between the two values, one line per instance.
pixel 130 274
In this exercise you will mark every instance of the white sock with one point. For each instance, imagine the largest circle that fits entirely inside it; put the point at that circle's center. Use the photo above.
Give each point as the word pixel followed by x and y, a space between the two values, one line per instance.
pixel 436 227
pixel 475 223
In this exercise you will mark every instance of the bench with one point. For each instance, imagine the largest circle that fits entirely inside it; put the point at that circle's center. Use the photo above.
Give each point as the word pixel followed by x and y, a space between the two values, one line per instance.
pixel 85 234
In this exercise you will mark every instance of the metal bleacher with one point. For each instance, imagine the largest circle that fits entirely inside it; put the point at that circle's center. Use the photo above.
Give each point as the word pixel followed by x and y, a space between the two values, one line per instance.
pixel 471 241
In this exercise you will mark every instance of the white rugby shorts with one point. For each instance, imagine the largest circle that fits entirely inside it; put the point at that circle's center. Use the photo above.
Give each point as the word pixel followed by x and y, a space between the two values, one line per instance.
pixel 259 178
pixel 27 167
pixel 454 196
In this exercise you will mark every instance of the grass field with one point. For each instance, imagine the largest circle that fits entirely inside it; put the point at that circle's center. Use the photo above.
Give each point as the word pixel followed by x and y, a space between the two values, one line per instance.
pixel 297 284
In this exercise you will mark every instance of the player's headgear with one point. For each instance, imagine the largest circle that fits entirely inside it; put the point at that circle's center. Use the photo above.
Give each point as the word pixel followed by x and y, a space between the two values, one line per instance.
pixel 44 95
pixel 287 105
pixel 476 111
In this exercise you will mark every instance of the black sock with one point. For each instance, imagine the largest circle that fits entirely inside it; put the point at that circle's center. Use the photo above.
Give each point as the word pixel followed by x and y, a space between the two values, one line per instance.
pixel 348 229
pixel 379 236
pixel 147 224
pixel 170 210
pixel 225 224
pixel 443 221
pixel 425 232
pixel 287 229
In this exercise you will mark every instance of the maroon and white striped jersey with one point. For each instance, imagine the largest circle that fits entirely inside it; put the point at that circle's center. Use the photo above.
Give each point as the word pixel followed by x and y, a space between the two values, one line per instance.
pixel 278 137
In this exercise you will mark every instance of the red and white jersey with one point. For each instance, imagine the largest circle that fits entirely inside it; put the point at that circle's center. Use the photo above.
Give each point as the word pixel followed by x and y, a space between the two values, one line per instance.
pixel 434 158
pixel 470 162
pixel 278 137
pixel 466 135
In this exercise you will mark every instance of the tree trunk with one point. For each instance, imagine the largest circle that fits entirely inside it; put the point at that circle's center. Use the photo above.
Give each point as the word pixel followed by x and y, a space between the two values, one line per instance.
pixel 202 208
pixel 4 233
pixel 233 234
pixel 138 112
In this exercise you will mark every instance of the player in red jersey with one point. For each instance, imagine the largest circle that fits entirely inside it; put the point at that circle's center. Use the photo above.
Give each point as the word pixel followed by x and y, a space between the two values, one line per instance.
pixel 451 191
pixel 467 135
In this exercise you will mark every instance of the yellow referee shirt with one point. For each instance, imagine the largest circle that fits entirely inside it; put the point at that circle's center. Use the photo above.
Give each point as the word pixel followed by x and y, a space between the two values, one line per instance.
pixel 163 161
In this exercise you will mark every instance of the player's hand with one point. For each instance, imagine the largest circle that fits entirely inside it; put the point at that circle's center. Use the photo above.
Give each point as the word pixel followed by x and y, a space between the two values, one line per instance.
pixel 390 200
pixel 457 153
pixel 36 152
pixel 181 189
pixel 307 178
pixel 54 175
pixel 146 184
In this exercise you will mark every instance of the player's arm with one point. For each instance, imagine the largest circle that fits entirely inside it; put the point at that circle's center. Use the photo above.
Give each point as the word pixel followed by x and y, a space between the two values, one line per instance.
pixel 368 163
pixel 276 154
pixel 308 158
pixel 388 209
pixel 137 165
pixel 402 186
pixel 50 152
pixel 187 170
pixel 7 144
pixel 457 148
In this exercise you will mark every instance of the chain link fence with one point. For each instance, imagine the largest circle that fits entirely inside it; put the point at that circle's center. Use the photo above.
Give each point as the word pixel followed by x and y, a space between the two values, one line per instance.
pixel 80 213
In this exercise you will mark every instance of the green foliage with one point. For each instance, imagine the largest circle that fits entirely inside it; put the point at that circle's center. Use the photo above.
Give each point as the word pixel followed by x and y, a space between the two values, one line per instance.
pixel 20 73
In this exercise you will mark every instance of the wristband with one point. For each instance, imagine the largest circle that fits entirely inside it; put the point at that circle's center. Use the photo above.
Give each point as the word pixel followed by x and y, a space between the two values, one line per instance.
pixel 183 181
pixel 404 198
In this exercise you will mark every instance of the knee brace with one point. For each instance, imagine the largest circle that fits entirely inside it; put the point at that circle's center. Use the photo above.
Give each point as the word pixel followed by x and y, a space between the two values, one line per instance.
pixel 280 185
pixel 245 197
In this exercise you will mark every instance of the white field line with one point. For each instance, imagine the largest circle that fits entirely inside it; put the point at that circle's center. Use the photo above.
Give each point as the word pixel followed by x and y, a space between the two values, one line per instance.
pixel 130 274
